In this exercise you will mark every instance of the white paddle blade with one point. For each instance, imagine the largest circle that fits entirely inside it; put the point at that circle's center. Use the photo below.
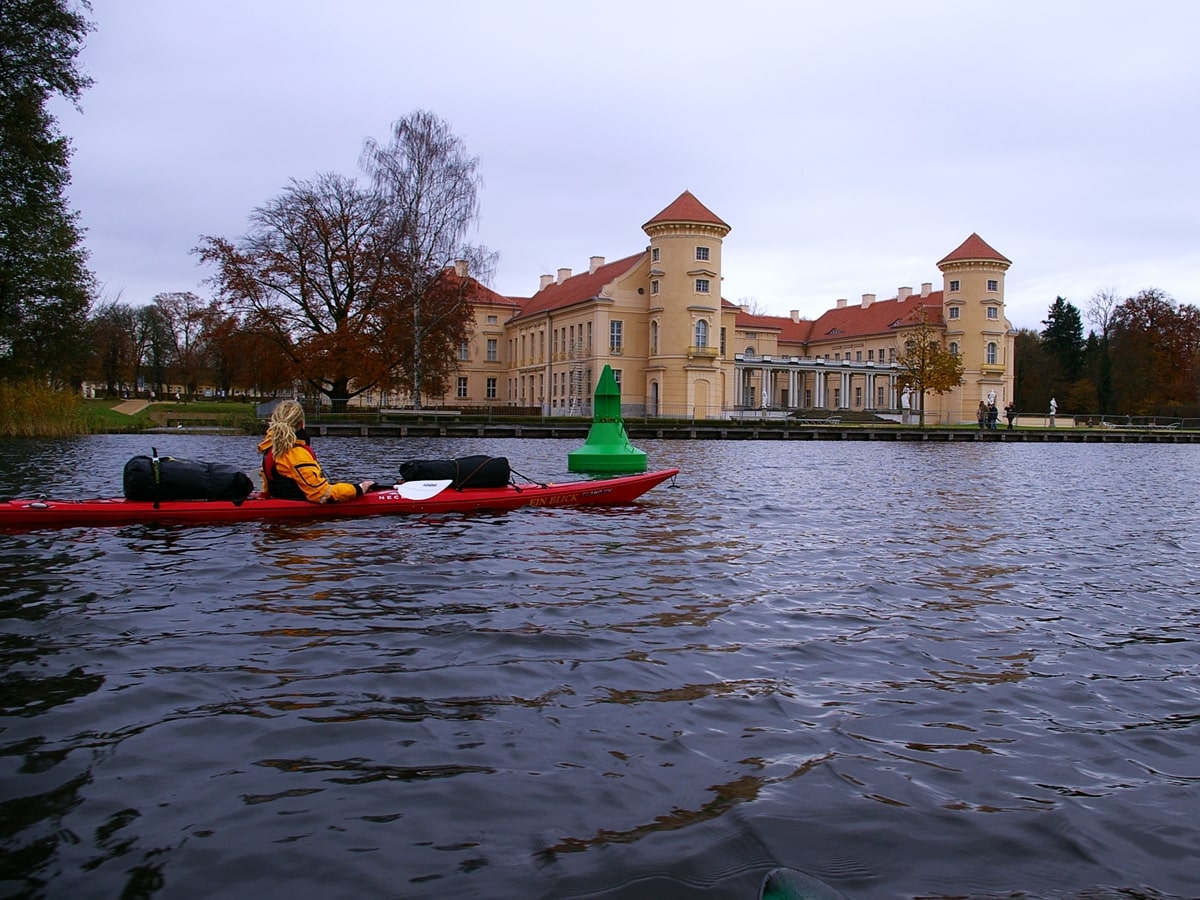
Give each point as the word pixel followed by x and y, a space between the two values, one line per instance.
pixel 421 490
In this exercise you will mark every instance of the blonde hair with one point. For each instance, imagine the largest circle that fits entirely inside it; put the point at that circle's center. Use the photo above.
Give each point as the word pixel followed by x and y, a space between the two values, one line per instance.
pixel 286 419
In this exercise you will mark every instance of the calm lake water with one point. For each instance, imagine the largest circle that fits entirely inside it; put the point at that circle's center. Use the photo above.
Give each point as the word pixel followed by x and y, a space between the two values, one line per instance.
pixel 960 670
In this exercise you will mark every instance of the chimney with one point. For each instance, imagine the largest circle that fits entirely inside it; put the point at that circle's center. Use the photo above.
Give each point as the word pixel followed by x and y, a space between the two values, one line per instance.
pixel 795 314
pixel 867 300
pixel 926 288
pixel 546 281
pixel 842 301
pixel 903 293
pixel 594 263
pixel 563 275
pixel 460 268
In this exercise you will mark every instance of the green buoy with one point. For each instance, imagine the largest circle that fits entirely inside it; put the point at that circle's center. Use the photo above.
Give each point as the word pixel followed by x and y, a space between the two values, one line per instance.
pixel 607 449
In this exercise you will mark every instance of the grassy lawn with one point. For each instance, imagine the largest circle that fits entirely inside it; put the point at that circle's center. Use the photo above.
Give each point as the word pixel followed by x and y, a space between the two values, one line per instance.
pixel 102 416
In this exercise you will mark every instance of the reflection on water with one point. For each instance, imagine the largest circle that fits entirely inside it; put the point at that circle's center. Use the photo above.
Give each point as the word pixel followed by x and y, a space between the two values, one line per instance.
pixel 909 670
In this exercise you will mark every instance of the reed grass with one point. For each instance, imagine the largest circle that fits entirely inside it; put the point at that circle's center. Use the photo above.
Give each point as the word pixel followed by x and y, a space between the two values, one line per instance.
pixel 31 409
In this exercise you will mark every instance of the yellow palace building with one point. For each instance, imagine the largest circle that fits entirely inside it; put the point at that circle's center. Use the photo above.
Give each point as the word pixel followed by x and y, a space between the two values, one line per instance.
pixel 678 350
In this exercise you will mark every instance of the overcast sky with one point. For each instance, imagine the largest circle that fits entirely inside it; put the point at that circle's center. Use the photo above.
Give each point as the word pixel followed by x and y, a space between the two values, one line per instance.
pixel 850 145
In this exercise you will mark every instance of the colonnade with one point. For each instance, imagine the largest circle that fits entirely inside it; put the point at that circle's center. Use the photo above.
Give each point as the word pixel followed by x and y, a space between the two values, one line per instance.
pixel 800 383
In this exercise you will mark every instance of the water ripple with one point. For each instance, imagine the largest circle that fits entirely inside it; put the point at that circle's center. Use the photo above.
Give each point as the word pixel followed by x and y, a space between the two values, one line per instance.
pixel 909 671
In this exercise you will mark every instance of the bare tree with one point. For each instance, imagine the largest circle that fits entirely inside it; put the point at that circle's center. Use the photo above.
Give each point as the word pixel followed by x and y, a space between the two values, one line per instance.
pixel 1100 309
pixel 111 330
pixel 428 185
pixel 186 318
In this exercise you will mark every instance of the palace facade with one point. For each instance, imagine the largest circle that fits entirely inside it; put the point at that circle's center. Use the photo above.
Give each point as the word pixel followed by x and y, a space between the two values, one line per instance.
pixel 679 350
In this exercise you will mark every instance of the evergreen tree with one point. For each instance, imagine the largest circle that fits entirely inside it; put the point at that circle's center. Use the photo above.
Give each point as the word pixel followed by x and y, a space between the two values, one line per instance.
pixel 45 287
pixel 1062 339
pixel 1036 378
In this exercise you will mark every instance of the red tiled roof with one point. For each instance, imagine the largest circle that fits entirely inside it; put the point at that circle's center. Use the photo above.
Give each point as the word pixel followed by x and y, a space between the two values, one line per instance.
pixel 973 247
pixel 577 288
pixel 481 293
pixel 847 322
pixel 686 208
pixel 880 317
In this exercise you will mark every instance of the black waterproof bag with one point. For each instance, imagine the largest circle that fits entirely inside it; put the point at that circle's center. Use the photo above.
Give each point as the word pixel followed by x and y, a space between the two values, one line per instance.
pixel 464 472
pixel 165 478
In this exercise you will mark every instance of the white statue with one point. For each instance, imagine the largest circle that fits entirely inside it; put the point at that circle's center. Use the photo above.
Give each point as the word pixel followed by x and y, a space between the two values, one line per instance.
pixel 991 398
pixel 905 400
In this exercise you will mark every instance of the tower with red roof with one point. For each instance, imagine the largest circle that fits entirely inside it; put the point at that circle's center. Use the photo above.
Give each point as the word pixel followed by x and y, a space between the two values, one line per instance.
pixel 683 365
pixel 976 326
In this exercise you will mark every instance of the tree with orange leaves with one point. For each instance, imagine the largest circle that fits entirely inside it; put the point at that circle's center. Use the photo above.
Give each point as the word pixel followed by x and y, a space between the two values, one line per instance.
pixel 355 284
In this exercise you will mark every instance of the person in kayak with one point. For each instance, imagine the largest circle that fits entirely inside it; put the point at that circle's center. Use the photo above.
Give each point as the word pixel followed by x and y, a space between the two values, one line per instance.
pixel 290 470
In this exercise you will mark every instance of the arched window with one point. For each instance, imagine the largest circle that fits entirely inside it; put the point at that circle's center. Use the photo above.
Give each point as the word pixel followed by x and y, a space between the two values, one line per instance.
pixel 954 347
pixel 991 353
pixel 702 333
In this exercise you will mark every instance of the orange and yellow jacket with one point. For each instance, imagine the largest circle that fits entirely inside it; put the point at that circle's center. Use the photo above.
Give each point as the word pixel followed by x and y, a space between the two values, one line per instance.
pixel 296 475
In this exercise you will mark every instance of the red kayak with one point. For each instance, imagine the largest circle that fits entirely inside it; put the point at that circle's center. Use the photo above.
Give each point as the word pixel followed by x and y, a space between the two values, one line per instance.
pixel 404 499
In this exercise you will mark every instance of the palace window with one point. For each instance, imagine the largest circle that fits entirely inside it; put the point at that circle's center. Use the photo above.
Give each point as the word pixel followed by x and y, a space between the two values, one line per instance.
pixel 858 396
pixel 462 388
pixel 654 287
pixel 722 341
pixel 654 255
pixel 954 348
pixel 993 284
pixel 493 350
pixel 702 253
pixel 954 285
pixel 701 285
pixel 654 338
pixel 702 333
pixel 991 353
pixel 491 388
pixel 614 336
pixel 464 351
pixel 493 320
pixel 993 313
pixel 954 312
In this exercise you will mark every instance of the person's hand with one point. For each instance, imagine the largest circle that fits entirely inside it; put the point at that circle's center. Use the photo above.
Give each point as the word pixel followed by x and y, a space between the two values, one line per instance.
pixel 366 486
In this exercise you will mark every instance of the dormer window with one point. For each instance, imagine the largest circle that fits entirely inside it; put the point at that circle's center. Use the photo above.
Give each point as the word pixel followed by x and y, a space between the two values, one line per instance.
pixel 702 253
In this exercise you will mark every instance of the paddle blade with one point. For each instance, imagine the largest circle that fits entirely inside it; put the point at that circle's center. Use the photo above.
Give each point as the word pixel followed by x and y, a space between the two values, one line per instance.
pixel 421 490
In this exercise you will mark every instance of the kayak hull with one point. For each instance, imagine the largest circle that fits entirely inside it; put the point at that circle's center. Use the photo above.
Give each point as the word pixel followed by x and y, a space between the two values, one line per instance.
pixel 41 513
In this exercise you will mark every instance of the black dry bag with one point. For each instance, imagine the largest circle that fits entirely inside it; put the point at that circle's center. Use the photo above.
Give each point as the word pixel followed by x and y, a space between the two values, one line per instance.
pixel 465 472
pixel 164 478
